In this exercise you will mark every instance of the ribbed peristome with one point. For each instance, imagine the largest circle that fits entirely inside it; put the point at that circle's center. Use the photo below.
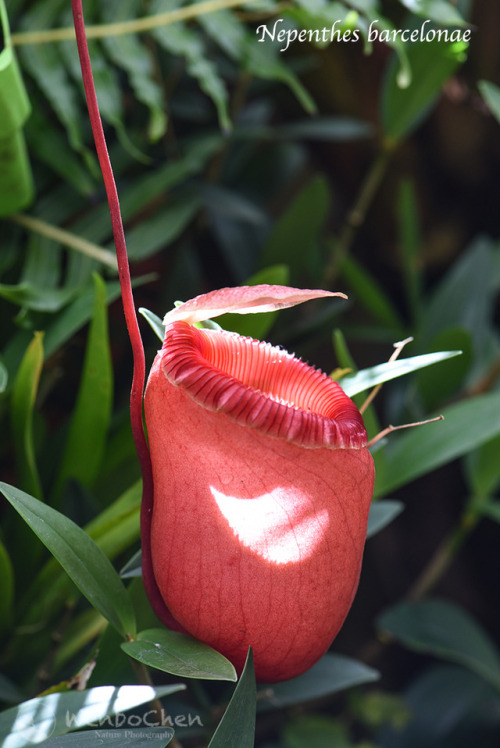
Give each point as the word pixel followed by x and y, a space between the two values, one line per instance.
pixel 261 386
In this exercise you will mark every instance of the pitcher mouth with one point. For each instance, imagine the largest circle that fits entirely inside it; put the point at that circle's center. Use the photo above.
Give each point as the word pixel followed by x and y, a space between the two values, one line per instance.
pixel 262 387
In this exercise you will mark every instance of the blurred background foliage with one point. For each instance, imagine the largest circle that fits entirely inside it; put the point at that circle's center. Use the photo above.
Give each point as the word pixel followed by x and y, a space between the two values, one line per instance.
pixel 365 167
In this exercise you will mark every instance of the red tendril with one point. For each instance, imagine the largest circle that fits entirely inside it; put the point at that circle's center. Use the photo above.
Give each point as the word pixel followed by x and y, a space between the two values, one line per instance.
pixel 139 373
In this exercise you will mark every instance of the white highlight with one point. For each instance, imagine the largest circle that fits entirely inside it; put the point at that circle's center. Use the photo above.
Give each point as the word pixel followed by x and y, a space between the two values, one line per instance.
pixel 276 526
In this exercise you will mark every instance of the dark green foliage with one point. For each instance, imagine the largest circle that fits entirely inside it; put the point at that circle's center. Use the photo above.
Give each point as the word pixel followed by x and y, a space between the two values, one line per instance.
pixel 366 167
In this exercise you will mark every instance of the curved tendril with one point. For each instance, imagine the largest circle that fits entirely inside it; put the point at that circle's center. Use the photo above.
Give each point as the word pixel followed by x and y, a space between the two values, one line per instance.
pixel 139 372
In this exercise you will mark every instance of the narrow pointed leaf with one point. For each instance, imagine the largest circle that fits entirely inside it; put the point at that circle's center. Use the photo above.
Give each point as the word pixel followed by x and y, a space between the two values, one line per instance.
pixel 22 409
pixel 89 426
pixel 81 558
pixel 237 726
pixel 466 426
pixel 179 654
pixel 443 629
pixel 154 322
pixel 364 380
pixel 333 673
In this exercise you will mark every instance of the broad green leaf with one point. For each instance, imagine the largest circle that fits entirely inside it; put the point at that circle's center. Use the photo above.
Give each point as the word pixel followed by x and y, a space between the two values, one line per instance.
pixel 179 654
pixel 294 240
pixel 22 408
pixel 154 737
pixel 91 419
pixel 369 294
pixel 483 468
pixel 381 514
pixel 117 527
pixel 450 707
pixel 466 426
pixel 491 94
pixel 352 384
pixel 431 63
pixel 237 726
pixel 463 298
pixel 440 11
pixel 439 385
pixel 59 713
pixel 81 558
pixel 333 673
pixel 446 631
pixel 6 588
pixel 156 233
pixel 155 322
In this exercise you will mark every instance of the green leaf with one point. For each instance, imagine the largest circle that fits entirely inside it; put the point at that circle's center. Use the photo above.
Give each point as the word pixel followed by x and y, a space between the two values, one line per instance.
pixel 491 95
pixel 158 232
pixel 463 298
pixel 440 11
pixel 4 377
pixel 381 514
pixel 491 509
pixel 431 63
pixel 88 432
pixel 22 408
pixel 133 567
pixel 346 361
pixel 154 737
pixel 294 240
pixel 446 631
pixel 33 297
pixel 60 713
pixel 154 321
pixel 439 385
pixel 237 726
pixel 81 558
pixel 352 384
pixel 450 707
pixel 333 673
pixel 179 654
pixel 466 426
pixel 483 468
pixel 184 42
pixel 16 182
pixel 369 294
